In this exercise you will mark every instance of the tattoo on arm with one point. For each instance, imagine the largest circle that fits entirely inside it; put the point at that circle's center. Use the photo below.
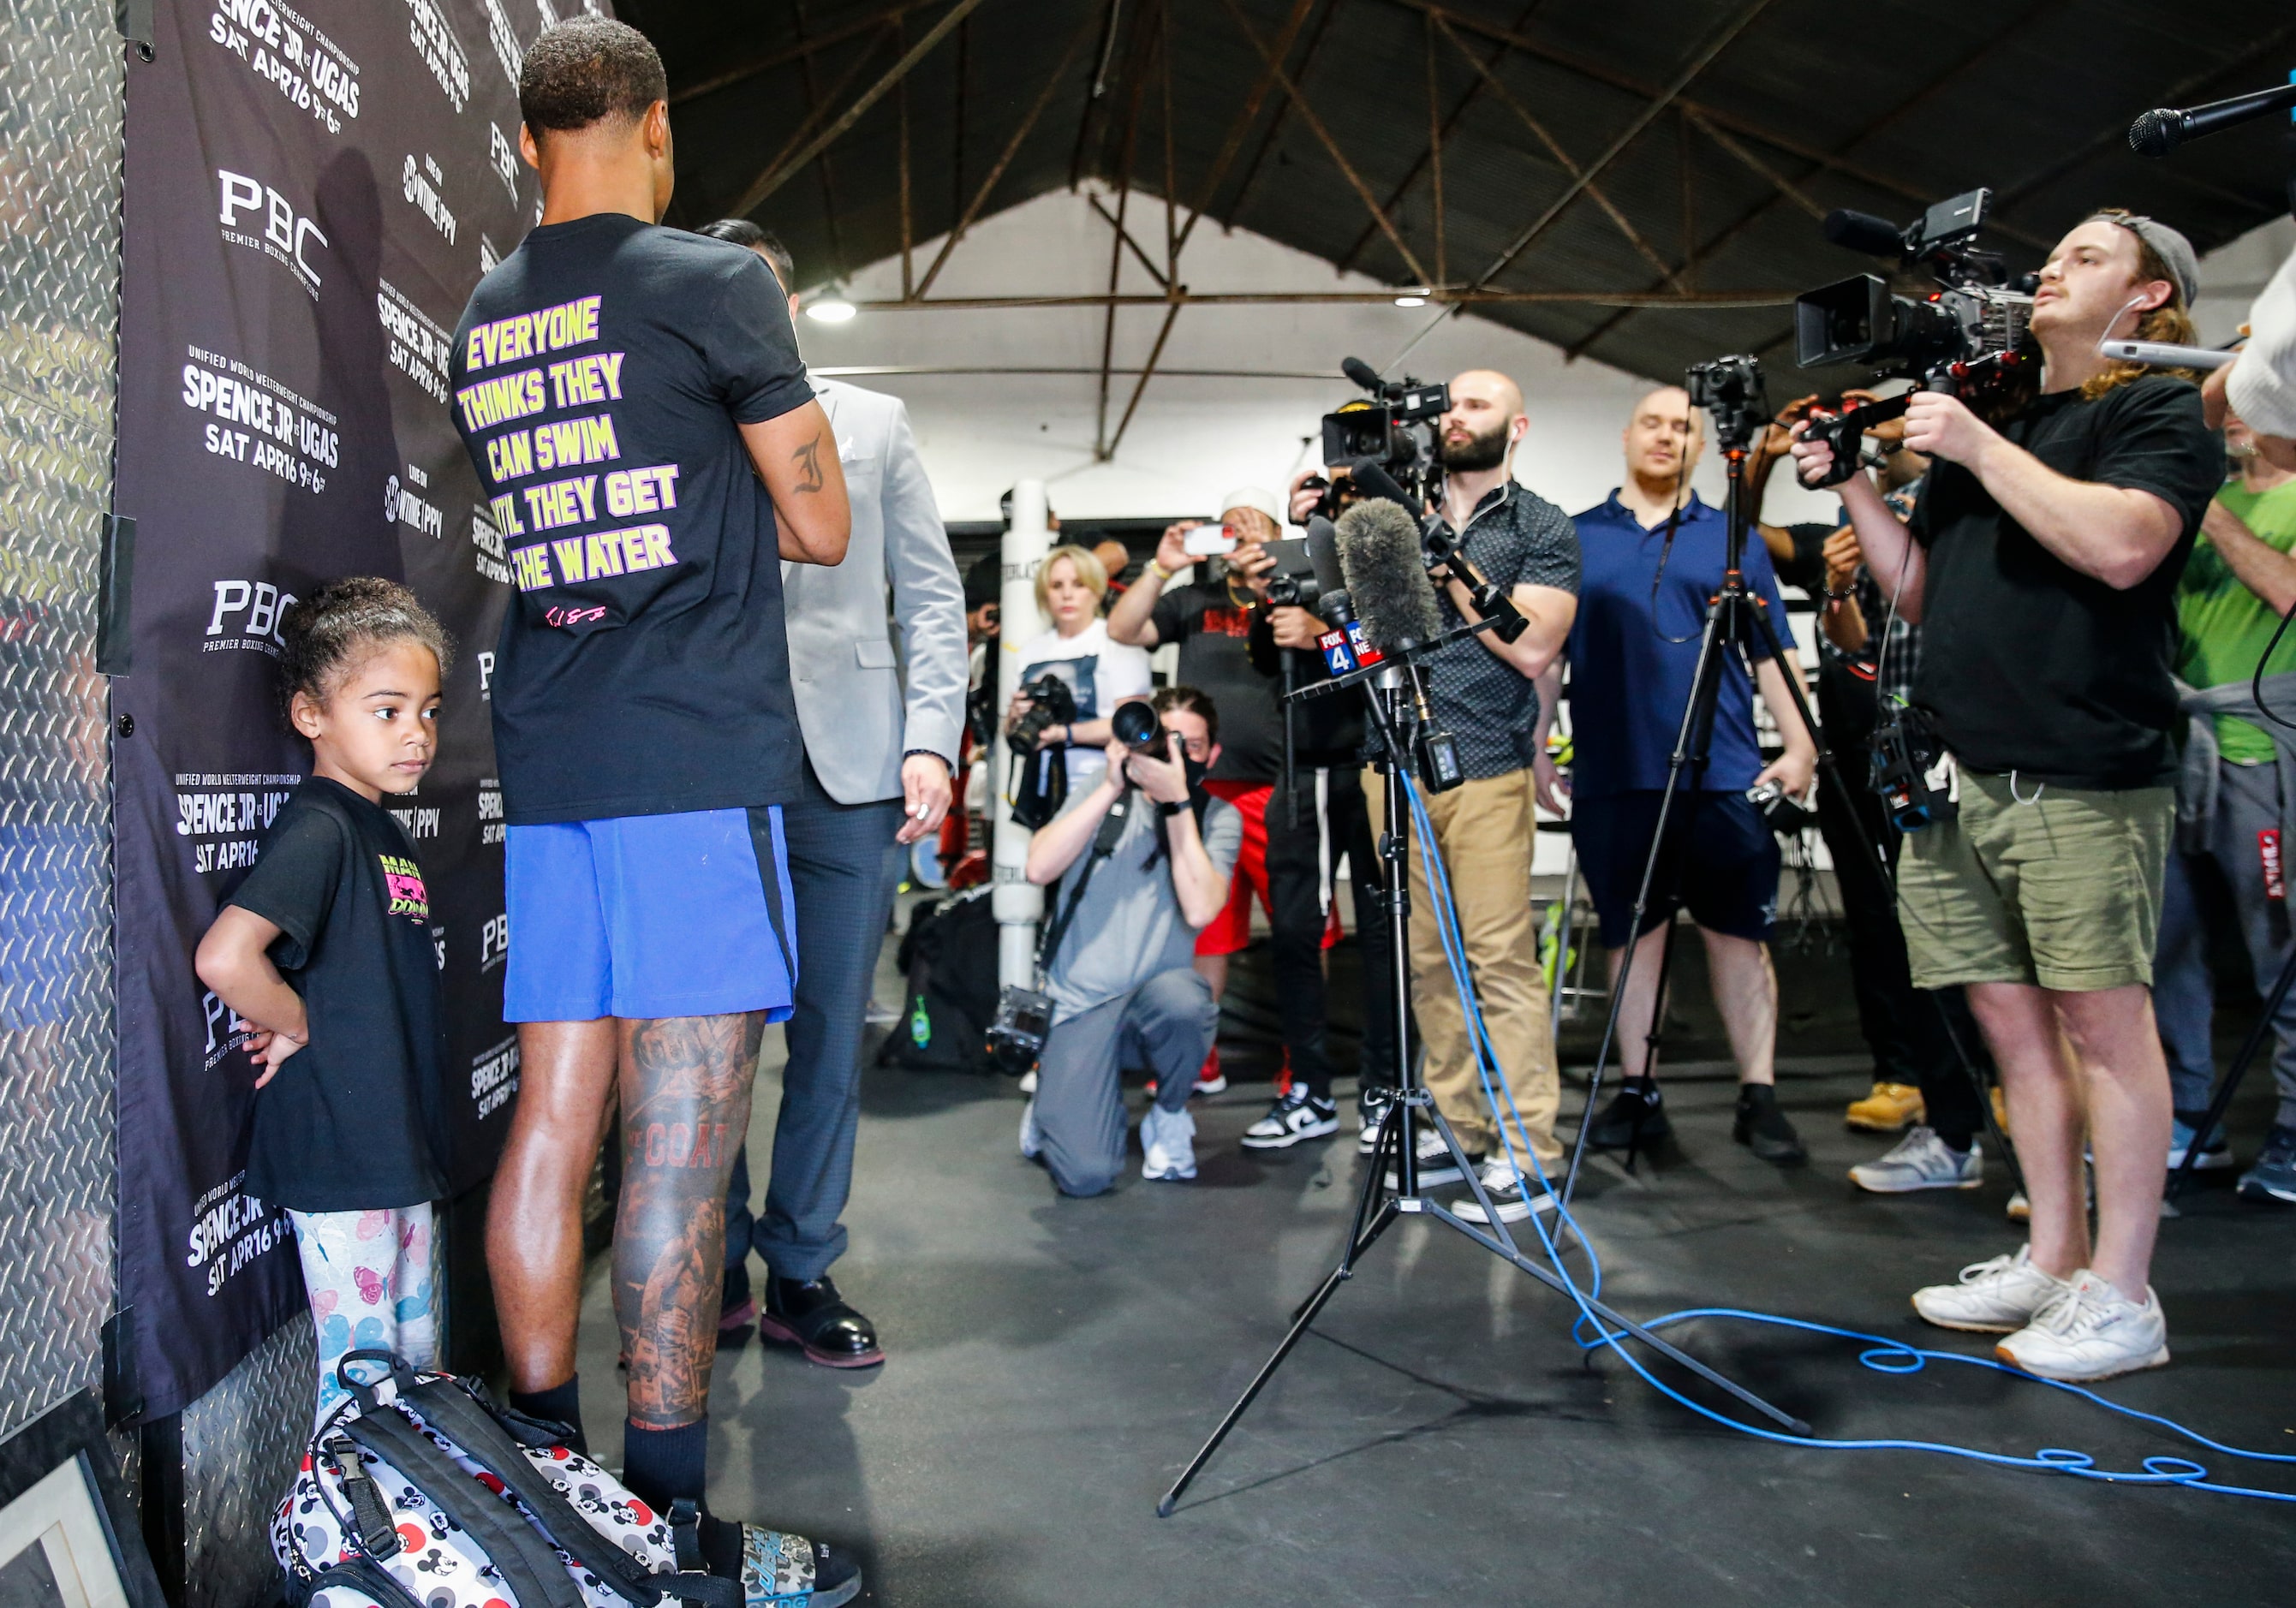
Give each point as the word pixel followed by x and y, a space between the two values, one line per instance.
pixel 685 1106
pixel 807 459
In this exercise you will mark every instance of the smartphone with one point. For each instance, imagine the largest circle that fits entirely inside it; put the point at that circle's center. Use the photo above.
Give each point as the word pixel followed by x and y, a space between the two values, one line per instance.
pixel 1209 541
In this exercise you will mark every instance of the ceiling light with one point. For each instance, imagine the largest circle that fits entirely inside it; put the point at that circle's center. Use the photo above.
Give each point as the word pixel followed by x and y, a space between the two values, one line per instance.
pixel 830 307
pixel 1408 300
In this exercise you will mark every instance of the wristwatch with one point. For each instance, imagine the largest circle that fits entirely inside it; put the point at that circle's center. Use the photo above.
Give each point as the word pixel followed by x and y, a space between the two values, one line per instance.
pixel 1168 810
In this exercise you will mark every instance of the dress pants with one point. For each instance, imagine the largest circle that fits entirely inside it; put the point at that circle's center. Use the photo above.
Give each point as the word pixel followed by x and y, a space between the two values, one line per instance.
pixel 1906 1031
pixel 1484 828
pixel 844 867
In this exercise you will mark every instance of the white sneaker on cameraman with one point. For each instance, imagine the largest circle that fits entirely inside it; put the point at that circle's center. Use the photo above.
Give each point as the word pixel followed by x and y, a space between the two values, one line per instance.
pixel 1029 1082
pixel 1032 1143
pixel 1169 1138
pixel 1921 1161
pixel 1996 1297
pixel 2090 1331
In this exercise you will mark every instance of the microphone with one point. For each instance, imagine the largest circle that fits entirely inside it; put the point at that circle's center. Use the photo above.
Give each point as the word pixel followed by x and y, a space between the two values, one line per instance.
pixel 1372 475
pixel 1864 233
pixel 1331 600
pixel 2159 132
pixel 1379 555
pixel 1363 374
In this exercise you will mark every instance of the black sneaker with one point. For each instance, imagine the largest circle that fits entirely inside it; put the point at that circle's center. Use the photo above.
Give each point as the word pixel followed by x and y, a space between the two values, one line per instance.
pixel 1435 1166
pixel 1634 1117
pixel 1765 1129
pixel 1297 1115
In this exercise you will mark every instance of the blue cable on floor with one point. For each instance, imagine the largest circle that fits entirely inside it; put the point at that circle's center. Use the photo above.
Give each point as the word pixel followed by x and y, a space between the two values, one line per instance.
pixel 1881 1354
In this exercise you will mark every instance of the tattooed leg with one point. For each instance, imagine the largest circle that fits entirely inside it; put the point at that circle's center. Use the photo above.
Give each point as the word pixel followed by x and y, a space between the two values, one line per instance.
pixel 685 1108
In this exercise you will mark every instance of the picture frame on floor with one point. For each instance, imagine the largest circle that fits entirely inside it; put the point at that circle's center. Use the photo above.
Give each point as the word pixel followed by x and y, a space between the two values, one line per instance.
pixel 69 1537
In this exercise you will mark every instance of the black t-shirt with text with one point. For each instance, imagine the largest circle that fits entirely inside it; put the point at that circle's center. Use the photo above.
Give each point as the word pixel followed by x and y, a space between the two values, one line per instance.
pixel 599 375
pixel 353 1121
pixel 2030 664
pixel 1214 632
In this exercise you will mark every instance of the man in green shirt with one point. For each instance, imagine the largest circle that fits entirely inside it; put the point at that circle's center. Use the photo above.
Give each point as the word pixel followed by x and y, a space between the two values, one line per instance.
pixel 2238 584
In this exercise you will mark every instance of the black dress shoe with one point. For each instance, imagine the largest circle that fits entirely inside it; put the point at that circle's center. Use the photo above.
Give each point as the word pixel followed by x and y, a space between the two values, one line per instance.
pixel 809 1314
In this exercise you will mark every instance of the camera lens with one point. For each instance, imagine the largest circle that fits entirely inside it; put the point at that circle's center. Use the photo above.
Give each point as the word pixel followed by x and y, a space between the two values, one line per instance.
pixel 1133 724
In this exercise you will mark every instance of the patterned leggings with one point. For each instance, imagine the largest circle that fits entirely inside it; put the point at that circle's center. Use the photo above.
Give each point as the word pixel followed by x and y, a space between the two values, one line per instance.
pixel 372 1279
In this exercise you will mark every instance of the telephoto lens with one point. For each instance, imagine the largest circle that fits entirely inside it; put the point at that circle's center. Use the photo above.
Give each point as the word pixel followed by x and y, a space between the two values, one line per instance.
pixel 1133 724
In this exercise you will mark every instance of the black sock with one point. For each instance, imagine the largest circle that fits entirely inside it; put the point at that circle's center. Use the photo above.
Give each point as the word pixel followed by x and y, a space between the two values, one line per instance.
pixel 1958 1143
pixel 1758 1094
pixel 661 1465
pixel 1643 1087
pixel 561 1404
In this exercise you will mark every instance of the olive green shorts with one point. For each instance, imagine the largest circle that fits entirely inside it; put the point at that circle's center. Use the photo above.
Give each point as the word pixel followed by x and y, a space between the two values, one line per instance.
pixel 2063 890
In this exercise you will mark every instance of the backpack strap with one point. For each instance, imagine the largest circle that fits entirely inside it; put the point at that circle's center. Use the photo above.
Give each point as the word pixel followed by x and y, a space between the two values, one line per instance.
pixel 378 1537
pixel 449 1408
pixel 693 1584
pixel 529 1567
pixel 362 1575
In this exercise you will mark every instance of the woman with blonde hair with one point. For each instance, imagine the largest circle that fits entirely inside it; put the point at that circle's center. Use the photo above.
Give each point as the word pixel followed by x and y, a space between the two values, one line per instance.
pixel 1100 674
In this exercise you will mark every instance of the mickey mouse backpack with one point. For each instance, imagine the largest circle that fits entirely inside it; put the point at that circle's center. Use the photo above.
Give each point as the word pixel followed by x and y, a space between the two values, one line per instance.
pixel 421 1492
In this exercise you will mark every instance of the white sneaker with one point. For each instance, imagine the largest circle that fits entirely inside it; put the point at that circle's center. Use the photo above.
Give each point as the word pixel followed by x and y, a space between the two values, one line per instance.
pixel 2090 1331
pixel 1032 1143
pixel 1296 1116
pixel 1169 1140
pixel 1499 1180
pixel 1921 1161
pixel 1999 1297
pixel 1369 1115
pixel 2020 1209
pixel 1435 1163
pixel 1029 1082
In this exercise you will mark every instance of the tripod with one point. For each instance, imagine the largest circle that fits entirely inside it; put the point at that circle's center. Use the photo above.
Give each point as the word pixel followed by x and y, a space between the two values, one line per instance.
pixel 1391 687
pixel 1735 618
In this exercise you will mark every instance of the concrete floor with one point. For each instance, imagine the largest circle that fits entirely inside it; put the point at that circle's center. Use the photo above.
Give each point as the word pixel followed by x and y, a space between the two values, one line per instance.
pixel 1054 1363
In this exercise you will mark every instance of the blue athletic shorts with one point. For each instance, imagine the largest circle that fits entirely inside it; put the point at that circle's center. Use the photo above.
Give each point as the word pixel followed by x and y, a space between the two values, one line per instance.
pixel 647 916
pixel 1721 862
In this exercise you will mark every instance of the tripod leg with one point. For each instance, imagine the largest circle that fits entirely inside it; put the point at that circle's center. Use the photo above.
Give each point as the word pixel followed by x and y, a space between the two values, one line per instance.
pixel 2238 1070
pixel 1299 1325
pixel 1368 1208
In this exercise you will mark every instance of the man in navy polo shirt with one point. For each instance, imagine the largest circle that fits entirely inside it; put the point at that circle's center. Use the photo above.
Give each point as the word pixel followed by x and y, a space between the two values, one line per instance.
pixel 1633 655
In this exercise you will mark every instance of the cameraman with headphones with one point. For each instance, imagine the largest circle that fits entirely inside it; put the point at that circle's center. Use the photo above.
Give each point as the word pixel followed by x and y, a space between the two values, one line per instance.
pixel 2042 561
pixel 1136 867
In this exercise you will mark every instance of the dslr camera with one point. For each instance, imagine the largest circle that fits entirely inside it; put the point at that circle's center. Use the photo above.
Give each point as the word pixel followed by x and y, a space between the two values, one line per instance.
pixel 1731 389
pixel 1051 702
pixel 1966 337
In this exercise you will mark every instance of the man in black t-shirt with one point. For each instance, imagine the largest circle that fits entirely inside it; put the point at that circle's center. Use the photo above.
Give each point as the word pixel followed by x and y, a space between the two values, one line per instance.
pixel 634 401
pixel 2041 561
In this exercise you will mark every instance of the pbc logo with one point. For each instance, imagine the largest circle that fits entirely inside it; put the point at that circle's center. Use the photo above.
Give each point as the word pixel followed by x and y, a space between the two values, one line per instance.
pixel 286 236
pixel 260 602
pixel 494 941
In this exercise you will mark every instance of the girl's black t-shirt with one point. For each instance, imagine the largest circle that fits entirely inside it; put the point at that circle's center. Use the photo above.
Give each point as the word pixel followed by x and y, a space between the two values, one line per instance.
pixel 351 1123
pixel 2029 665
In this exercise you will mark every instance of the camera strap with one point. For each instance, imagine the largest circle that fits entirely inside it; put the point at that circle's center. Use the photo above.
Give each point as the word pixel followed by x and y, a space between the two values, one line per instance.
pixel 1103 844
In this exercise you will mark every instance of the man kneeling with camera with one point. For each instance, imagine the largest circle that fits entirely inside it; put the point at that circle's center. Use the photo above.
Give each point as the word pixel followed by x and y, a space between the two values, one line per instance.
pixel 2042 561
pixel 1137 865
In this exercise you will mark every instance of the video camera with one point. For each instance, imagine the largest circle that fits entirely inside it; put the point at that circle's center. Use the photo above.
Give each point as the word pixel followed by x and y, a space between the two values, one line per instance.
pixel 1394 427
pixel 1964 338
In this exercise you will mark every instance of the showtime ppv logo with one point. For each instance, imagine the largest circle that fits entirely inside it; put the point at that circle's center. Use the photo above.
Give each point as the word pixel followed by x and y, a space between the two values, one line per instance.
pixel 286 234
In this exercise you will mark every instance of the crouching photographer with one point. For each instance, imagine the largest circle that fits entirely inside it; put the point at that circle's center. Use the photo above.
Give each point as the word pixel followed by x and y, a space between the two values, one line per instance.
pixel 1137 865
pixel 2041 561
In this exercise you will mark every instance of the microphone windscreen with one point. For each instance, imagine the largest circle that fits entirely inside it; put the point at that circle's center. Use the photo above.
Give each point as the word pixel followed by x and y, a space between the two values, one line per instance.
pixel 1864 232
pixel 1323 553
pixel 1363 374
pixel 1379 554
pixel 2155 133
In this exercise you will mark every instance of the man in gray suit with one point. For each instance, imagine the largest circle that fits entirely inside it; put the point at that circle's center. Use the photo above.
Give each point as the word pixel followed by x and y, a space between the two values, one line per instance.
pixel 877 658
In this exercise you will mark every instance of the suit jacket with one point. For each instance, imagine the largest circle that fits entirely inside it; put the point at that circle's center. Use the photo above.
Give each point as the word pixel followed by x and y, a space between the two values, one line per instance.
pixel 895 603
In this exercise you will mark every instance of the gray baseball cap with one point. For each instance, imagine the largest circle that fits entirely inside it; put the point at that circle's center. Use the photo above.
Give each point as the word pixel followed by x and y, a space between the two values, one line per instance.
pixel 2169 245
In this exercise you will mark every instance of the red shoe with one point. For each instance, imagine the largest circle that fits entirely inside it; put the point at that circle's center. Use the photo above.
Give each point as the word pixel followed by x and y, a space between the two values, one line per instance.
pixel 1209 1079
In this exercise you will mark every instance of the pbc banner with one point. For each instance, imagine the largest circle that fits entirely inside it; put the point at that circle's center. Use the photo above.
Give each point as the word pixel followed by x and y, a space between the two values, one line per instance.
pixel 311 195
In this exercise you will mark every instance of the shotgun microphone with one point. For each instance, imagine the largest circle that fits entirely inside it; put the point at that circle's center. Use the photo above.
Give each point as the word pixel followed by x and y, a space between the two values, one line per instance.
pixel 1379 555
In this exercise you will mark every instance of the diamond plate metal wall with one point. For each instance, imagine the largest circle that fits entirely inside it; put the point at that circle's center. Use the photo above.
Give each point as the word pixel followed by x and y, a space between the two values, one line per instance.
pixel 60 85
pixel 241 1442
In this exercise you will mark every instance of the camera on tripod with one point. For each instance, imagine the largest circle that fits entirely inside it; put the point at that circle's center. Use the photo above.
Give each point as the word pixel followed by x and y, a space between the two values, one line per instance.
pixel 1966 337
pixel 1052 701
pixel 1393 426
pixel 1731 389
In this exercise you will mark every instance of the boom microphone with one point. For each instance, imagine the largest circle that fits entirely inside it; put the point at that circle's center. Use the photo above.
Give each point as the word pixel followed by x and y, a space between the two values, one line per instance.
pixel 1363 374
pixel 2158 133
pixel 1865 232
pixel 1379 554
pixel 1331 600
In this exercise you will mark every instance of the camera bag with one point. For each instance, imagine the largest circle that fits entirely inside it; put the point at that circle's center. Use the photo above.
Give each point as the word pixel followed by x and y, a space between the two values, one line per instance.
pixel 421 1492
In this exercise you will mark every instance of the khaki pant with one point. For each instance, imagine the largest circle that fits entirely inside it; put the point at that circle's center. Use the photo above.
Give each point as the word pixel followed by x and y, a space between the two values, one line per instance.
pixel 1484 829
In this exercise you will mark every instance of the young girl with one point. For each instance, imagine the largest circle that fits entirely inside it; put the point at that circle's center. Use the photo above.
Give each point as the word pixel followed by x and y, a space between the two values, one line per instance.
pixel 325 950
